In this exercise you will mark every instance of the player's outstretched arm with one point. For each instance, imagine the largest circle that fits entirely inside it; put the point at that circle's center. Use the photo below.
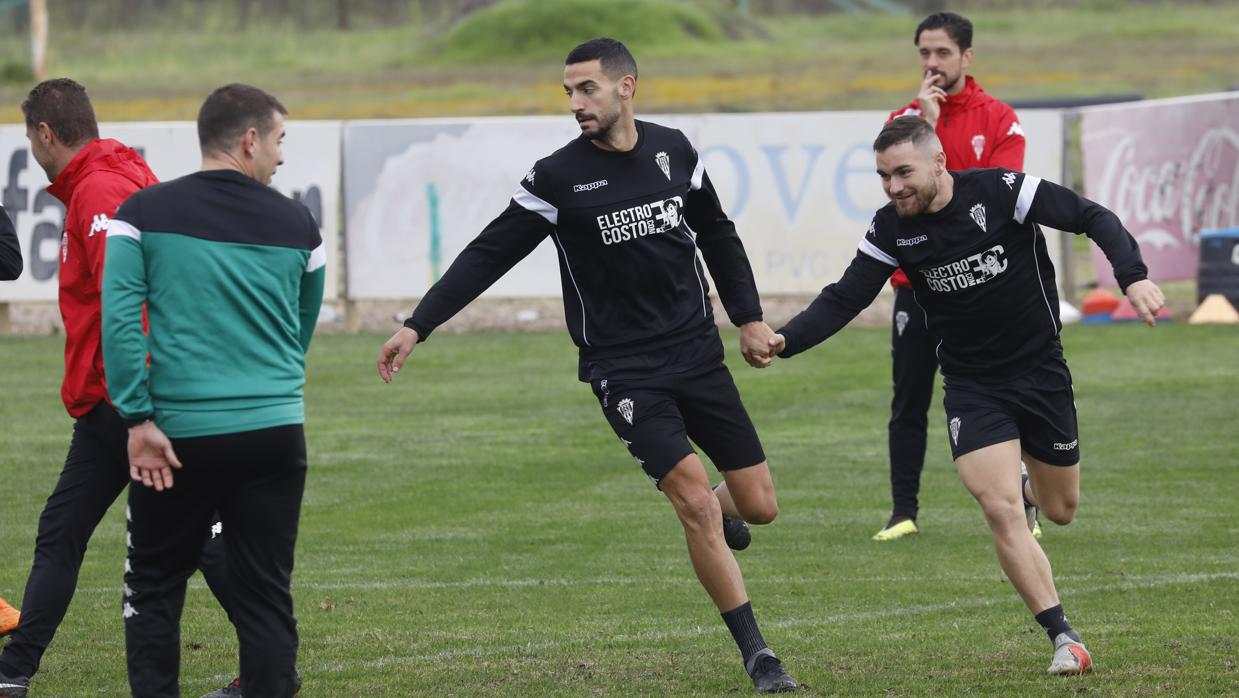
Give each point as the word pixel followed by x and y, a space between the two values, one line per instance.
pixel 395 352
pixel 1146 298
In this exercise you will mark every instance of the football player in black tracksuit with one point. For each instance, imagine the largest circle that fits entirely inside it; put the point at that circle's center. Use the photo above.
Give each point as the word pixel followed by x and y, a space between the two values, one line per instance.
pixel 970 244
pixel 628 206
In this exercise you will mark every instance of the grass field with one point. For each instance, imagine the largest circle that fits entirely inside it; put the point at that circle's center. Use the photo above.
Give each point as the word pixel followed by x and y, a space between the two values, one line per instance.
pixel 475 530
pixel 493 64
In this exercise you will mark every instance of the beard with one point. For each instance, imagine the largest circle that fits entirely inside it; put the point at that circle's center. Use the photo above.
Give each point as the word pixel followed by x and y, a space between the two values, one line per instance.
pixel 918 202
pixel 949 83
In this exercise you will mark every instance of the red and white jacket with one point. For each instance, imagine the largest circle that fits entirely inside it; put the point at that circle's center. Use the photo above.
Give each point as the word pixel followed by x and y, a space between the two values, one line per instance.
pixel 92 186
pixel 977 131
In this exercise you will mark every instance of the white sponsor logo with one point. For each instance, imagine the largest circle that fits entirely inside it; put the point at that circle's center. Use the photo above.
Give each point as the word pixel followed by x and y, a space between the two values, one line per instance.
pixel 129 612
pixel 908 242
pixel 978 216
pixel 578 188
pixel 901 321
pixel 529 177
pixel 978 145
pixel 974 270
pixel 64 247
pixel 955 422
pixel 625 408
pixel 638 221
pixel 664 163
pixel 217 529
pixel 1016 129
pixel 1009 178
pixel 1067 446
pixel 98 224
pixel 873 228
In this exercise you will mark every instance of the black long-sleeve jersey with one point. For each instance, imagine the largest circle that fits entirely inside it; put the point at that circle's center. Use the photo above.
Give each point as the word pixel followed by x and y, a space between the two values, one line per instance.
pixel 627 227
pixel 980 270
pixel 10 251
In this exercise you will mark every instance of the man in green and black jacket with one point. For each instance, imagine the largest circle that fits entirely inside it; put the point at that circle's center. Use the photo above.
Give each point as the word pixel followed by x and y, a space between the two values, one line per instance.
pixel 231 274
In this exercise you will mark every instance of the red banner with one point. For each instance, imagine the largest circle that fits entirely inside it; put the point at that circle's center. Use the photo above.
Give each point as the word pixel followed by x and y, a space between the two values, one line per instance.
pixel 1169 169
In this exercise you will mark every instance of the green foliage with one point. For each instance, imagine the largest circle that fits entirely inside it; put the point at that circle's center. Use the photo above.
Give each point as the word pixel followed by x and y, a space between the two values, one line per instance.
pixel 536 29
pixel 475 529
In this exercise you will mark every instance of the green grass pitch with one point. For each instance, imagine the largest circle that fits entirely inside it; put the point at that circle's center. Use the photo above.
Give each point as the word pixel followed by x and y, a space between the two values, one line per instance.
pixel 476 530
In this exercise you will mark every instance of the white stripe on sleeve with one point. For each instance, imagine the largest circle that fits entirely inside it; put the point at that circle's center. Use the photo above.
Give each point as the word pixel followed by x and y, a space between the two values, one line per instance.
pixel 121 229
pixel 873 251
pixel 1028 189
pixel 698 173
pixel 532 203
pixel 318 258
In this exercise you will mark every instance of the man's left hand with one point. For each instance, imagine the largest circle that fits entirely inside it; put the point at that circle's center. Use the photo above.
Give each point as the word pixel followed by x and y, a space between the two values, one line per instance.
pixel 1146 299
pixel 755 343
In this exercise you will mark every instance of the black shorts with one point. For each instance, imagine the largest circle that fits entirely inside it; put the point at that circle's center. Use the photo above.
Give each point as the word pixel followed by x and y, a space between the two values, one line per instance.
pixel 1037 408
pixel 655 417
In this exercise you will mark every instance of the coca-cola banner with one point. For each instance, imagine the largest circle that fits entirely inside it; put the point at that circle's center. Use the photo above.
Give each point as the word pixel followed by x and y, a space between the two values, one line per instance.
pixel 1169 169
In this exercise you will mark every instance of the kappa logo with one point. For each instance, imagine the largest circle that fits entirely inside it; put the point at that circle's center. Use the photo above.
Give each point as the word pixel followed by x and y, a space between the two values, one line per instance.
pixel 955 423
pixel 664 163
pixel 901 322
pixel 99 224
pixel 217 529
pixel 1067 446
pixel 873 228
pixel 64 247
pixel 978 216
pixel 129 611
pixel 909 242
pixel 978 145
pixel 529 177
pixel 625 408
pixel 1016 129
pixel 578 188
pixel 1009 178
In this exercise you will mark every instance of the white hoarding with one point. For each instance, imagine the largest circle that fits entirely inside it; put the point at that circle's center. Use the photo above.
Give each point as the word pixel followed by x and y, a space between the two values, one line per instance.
pixel 311 174
pixel 800 186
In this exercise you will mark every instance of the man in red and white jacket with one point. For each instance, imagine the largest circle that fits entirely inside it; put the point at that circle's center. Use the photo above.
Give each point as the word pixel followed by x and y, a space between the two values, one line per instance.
pixel 92 177
pixel 977 131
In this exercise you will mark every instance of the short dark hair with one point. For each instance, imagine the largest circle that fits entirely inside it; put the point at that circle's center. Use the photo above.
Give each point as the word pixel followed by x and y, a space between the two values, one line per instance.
pixel 904 129
pixel 611 54
pixel 232 110
pixel 62 104
pixel 957 27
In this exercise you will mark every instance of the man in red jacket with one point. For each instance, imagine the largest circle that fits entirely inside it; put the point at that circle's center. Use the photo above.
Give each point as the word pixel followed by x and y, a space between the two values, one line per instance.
pixel 92 176
pixel 977 131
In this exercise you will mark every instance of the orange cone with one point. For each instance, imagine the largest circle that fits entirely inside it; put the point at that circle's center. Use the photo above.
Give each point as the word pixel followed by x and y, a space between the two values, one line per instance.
pixel 1215 309
pixel 1098 302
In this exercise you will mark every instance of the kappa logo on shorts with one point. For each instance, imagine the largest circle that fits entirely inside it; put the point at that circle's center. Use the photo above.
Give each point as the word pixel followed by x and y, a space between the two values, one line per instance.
pixel 901 322
pixel 955 422
pixel 625 408
pixel 1067 446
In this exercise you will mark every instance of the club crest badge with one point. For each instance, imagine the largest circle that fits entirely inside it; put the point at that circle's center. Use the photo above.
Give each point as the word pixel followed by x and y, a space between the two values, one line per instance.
pixel 955 422
pixel 978 216
pixel 664 163
pixel 625 409
pixel 901 322
pixel 978 145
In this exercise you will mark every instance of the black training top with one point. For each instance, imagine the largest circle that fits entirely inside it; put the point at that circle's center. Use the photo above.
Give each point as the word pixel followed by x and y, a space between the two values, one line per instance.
pixel 627 227
pixel 10 251
pixel 978 267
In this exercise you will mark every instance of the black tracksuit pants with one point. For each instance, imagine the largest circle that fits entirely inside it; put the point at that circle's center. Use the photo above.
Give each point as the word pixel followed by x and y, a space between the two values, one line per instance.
pixel 255 480
pixel 914 362
pixel 96 471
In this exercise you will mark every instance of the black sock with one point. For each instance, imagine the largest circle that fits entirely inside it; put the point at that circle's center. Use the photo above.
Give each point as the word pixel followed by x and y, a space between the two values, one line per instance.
pixel 743 627
pixel 1055 623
